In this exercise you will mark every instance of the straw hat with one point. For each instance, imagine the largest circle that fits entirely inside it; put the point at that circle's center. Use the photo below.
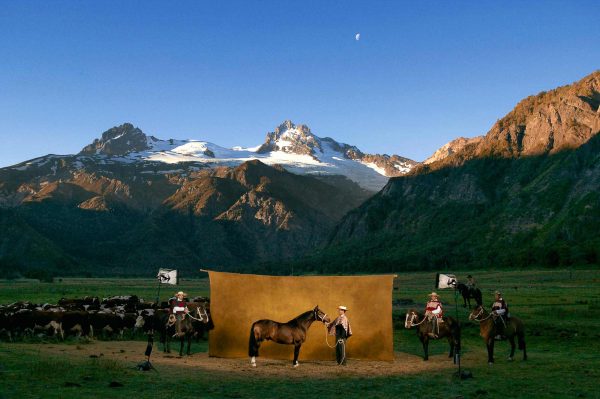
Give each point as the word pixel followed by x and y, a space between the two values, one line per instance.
pixel 433 294
pixel 342 308
pixel 181 293
pixel 498 293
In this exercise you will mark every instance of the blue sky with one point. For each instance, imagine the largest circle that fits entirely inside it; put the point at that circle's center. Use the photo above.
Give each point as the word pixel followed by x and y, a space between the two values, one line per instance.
pixel 421 74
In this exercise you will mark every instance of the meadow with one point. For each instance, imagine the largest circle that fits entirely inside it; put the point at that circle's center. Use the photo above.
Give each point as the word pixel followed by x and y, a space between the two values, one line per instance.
pixel 561 310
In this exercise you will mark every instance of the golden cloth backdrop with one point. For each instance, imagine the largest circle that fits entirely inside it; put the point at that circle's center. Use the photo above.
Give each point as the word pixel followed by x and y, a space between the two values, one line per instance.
pixel 238 300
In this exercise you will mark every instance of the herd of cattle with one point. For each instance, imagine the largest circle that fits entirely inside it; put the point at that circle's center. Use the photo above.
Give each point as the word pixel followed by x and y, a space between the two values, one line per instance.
pixel 92 317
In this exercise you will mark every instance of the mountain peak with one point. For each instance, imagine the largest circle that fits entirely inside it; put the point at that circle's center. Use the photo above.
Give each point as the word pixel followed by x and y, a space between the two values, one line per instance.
pixel 291 138
pixel 118 140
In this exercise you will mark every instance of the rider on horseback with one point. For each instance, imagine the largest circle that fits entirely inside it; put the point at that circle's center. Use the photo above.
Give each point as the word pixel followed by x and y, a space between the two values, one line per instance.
pixel 471 282
pixel 434 313
pixel 500 313
pixel 178 303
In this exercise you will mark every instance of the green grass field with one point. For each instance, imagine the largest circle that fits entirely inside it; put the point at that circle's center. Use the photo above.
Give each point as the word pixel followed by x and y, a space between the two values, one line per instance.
pixel 561 310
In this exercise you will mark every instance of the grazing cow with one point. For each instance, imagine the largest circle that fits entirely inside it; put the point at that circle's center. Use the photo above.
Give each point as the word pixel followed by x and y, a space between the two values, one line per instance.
pixel 5 328
pixel 129 302
pixel 21 305
pixel 76 323
pixel 106 324
pixel 85 303
pixel 49 323
pixel 129 322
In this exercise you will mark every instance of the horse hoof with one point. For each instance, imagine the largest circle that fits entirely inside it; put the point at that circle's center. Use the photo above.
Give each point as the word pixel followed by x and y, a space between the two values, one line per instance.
pixel 510 359
pixel 253 364
pixel 296 365
pixel 490 363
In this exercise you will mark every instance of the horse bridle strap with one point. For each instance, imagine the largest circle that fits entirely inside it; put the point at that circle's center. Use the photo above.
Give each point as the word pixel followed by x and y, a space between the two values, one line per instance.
pixel 413 315
pixel 479 314
pixel 317 317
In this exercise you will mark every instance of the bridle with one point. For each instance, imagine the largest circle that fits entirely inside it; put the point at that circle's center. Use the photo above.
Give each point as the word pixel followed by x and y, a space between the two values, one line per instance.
pixel 410 321
pixel 318 317
pixel 481 310
pixel 200 318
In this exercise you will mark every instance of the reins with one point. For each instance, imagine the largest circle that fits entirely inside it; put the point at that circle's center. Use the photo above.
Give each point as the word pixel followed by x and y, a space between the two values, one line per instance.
pixel 479 314
pixel 199 314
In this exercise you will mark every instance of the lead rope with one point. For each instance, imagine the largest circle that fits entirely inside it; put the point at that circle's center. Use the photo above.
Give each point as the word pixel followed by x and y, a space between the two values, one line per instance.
pixel 327 339
pixel 326 331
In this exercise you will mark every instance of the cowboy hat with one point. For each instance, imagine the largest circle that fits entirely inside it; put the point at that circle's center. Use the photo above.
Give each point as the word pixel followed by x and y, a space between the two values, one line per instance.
pixel 342 308
pixel 433 294
pixel 181 293
pixel 498 293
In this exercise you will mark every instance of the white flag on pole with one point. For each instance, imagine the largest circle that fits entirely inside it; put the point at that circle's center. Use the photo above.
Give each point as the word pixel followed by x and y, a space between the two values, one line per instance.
pixel 445 280
pixel 167 276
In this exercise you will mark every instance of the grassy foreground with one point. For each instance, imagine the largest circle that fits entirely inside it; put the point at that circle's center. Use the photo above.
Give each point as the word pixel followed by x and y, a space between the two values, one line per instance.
pixel 561 311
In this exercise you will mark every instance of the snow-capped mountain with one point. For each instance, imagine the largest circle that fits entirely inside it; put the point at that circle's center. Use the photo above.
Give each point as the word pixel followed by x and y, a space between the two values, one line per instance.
pixel 292 146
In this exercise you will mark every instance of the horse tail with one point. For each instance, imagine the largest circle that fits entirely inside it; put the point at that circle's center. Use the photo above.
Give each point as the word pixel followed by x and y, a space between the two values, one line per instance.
pixel 520 335
pixel 521 339
pixel 252 343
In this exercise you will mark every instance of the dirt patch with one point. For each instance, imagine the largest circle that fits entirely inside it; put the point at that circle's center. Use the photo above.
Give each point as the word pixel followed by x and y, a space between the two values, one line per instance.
pixel 131 352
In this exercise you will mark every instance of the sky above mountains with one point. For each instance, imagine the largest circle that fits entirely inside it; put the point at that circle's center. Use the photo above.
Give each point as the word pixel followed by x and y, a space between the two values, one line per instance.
pixel 229 72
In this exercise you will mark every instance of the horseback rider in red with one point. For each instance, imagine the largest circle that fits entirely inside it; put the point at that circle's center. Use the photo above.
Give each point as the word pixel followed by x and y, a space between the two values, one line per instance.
pixel 434 313
pixel 178 303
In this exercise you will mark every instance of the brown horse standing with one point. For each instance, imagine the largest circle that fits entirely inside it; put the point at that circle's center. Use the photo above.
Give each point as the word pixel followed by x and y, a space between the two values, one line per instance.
pixel 489 329
pixel 449 329
pixel 291 333
pixel 178 326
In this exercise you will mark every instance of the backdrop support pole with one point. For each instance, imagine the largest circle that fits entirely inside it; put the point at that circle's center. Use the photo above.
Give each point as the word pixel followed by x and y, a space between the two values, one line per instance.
pixel 457 350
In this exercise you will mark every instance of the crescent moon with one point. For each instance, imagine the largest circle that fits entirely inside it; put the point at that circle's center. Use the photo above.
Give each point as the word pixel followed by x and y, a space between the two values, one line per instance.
pixel 357 36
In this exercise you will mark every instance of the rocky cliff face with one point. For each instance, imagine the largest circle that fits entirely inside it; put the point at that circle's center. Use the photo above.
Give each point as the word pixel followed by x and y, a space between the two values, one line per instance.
pixel 452 147
pixel 525 194
pixel 547 123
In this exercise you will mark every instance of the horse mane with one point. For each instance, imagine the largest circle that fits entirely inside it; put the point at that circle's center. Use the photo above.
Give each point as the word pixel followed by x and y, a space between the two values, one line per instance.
pixel 303 316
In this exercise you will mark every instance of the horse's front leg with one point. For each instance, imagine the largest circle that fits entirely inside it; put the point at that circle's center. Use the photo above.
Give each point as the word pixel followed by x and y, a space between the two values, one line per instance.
pixel 425 342
pixel 181 343
pixel 451 342
pixel 189 344
pixel 296 353
pixel 490 349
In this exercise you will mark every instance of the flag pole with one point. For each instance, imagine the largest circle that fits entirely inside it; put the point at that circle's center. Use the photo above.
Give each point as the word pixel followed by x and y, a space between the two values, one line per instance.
pixel 158 294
